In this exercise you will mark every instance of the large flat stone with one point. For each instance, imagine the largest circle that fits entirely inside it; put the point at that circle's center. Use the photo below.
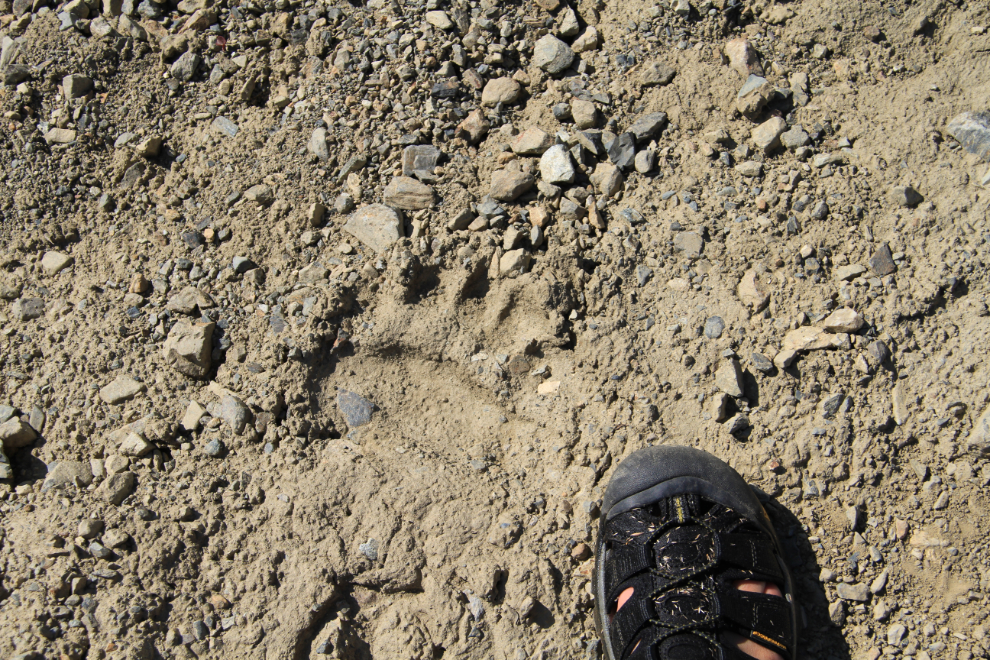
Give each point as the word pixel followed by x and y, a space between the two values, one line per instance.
pixel 123 388
pixel 376 225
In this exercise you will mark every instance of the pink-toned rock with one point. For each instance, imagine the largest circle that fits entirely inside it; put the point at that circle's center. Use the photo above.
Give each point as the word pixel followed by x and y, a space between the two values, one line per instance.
pixel 474 128
pixel 751 292
pixel 808 338
pixel 743 58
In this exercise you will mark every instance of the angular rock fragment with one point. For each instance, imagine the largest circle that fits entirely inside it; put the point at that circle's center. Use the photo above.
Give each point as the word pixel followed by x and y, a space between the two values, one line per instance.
pixel 972 130
pixel 189 347
pixel 235 413
pixel 376 225
pixel 552 55
pixel 117 487
pixel 656 73
pixel 189 300
pixel 409 194
pixel 766 136
pixel 882 261
pixel 807 338
pixel 556 166
pixel 474 127
pixel 843 320
pixel 728 378
pixel 27 309
pixel 752 292
pixel 419 159
pixel 743 58
pixel 318 144
pixel 355 408
pixel 507 185
pixel 532 142
pixel 122 388
pixel 648 126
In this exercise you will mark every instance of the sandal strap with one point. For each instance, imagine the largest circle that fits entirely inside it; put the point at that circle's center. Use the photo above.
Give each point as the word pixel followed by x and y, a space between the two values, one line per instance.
pixel 753 554
pixel 682 575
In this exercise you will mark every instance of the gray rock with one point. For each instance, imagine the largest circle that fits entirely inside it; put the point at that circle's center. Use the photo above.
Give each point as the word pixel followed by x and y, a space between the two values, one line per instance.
pixel 571 210
pixel 906 196
pixel 406 193
pixel 100 551
pixel 657 73
pixel 856 591
pixel 318 144
pixel 648 126
pixel 562 112
pixel 753 83
pixel 122 388
pixel 189 300
pixel 225 126
pixel 68 473
pixel 714 327
pixel 214 448
pixel 185 67
pixel 737 423
pixel 419 158
pixel 972 130
pixel 879 351
pixel 27 309
pixel 507 185
pixel 89 528
pixel 6 412
pixel 830 406
pixel 235 413
pixel 643 274
pixel 344 203
pixel 241 265
pixel 794 138
pixel 6 472
pixel 622 151
pixel 556 166
pixel 762 363
pixel 14 74
pixel 882 261
pixel 260 194
pixel 75 85
pixel 645 161
pixel 355 408
pixel 376 225
pixel 689 242
pixel 369 549
pixel 14 434
pixel 552 55
pixel 117 487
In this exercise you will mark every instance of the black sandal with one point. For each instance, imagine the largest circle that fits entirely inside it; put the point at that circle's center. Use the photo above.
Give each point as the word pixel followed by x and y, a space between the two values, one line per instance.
pixel 681 527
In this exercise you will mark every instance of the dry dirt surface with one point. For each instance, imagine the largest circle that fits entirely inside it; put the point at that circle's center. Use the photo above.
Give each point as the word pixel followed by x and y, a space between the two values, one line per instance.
pixel 323 325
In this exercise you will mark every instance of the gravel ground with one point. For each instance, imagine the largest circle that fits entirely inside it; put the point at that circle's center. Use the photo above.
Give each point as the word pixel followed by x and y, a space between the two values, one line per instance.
pixel 322 326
